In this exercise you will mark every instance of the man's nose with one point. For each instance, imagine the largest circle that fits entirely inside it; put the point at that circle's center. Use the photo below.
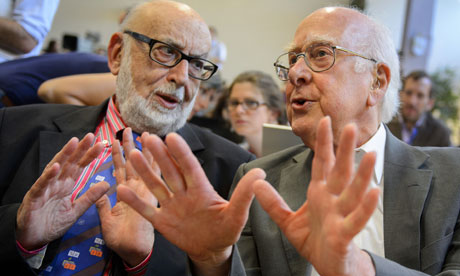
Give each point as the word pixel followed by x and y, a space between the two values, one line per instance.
pixel 179 73
pixel 300 74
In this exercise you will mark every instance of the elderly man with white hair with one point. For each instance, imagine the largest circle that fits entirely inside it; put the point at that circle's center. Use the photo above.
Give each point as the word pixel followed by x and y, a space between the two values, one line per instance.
pixel 397 213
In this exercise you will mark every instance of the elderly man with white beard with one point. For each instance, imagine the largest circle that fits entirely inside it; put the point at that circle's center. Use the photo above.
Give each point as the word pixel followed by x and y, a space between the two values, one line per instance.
pixel 60 214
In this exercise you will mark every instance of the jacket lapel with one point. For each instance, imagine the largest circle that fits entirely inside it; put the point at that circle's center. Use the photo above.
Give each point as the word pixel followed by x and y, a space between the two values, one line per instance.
pixel 406 184
pixel 192 140
pixel 293 185
pixel 74 124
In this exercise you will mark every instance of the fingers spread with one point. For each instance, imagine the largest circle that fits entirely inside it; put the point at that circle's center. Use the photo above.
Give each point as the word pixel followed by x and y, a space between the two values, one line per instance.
pixel 170 171
pixel 271 202
pixel 128 144
pixel 356 221
pixel 243 194
pixel 90 197
pixel 118 162
pixel 324 150
pixel 353 194
pixel 152 180
pixel 64 154
pixel 143 207
pixel 103 207
pixel 48 177
pixel 343 170
pixel 148 155
pixel 190 167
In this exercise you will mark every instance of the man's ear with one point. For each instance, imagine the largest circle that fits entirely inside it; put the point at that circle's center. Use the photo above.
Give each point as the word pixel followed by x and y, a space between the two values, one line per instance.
pixel 382 77
pixel 115 52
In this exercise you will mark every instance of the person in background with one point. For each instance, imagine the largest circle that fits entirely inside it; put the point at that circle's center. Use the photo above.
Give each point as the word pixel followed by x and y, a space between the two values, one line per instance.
pixel 254 99
pixel 50 225
pixel 210 91
pixel 24 25
pixel 52 47
pixel 20 79
pixel 415 124
pixel 81 89
pixel 218 53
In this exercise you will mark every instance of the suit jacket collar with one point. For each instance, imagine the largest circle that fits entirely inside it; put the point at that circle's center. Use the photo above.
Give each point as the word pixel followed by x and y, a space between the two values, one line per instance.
pixel 76 123
pixel 192 140
pixel 293 189
pixel 407 180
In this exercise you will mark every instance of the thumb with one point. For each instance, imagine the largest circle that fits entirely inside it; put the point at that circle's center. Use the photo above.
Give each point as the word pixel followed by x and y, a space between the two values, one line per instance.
pixel 103 207
pixel 271 202
pixel 243 194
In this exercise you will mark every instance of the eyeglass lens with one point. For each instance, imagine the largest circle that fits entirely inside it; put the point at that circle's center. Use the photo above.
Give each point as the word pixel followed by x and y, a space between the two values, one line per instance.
pixel 246 104
pixel 167 55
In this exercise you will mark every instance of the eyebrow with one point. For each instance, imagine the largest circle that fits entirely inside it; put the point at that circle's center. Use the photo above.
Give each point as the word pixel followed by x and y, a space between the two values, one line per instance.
pixel 324 39
pixel 180 47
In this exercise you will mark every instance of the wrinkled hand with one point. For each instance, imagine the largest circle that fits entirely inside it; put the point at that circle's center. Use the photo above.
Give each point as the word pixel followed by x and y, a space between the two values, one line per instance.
pixel 338 206
pixel 47 210
pixel 191 214
pixel 124 230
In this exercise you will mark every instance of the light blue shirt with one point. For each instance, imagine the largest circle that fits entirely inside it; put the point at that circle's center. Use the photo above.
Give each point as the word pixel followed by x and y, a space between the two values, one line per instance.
pixel 35 16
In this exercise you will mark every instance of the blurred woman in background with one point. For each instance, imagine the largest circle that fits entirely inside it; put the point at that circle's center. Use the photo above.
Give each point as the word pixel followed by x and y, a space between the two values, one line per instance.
pixel 254 99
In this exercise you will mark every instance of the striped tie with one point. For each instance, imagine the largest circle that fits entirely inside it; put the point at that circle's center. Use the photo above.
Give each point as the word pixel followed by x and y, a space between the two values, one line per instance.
pixel 82 250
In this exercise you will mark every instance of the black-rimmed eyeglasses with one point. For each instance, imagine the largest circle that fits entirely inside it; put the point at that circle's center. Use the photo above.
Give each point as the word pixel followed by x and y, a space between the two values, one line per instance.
pixel 318 57
pixel 170 56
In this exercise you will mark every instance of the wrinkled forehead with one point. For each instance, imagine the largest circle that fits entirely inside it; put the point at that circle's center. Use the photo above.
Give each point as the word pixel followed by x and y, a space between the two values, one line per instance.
pixel 336 27
pixel 181 28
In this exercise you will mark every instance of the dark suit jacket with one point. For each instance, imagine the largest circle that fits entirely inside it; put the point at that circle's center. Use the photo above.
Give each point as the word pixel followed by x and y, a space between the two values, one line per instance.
pixel 421 213
pixel 431 133
pixel 31 135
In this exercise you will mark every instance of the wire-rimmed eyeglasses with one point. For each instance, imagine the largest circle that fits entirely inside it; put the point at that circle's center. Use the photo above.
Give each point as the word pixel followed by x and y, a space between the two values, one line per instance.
pixel 170 56
pixel 246 104
pixel 318 57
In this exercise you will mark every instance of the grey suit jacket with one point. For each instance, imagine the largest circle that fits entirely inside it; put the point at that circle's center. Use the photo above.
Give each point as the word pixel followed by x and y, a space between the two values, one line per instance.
pixel 421 213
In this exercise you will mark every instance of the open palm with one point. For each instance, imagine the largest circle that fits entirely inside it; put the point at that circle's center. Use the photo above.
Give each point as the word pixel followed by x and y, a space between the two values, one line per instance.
pixel 191 214
pixel 47 210
pixel 337 208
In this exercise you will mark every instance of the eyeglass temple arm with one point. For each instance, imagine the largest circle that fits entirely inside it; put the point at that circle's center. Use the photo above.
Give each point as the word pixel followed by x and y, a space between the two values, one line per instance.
pixel 354 53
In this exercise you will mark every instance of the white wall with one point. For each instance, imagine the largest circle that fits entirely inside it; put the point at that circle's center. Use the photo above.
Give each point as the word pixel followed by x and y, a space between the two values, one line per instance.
pixel 255 31
pixel 392 13
pixel 445 48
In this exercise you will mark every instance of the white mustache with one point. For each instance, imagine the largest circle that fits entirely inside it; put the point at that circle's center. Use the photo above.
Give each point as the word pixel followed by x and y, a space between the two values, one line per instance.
pixel 171 90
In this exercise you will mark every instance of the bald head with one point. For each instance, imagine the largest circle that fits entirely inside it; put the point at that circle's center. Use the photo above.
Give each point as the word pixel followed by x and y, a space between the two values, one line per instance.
pixel 355 88
pixel 163 15
pixel 354 30
pixel 153 94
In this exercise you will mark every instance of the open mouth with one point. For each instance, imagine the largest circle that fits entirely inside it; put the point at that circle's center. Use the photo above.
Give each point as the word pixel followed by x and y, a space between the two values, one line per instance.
pixel 168 98
pixel 168 101
pixel 299 101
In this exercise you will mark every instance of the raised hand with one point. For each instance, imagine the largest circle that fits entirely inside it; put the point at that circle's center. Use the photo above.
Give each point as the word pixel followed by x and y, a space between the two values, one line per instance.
pixel 338 206
pixel 124 230
pixel 47 210
pixel 191 214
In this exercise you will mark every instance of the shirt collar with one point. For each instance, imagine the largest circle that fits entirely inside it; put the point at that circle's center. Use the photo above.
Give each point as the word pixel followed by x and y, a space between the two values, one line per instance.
pixel 111 124
pixel 377 144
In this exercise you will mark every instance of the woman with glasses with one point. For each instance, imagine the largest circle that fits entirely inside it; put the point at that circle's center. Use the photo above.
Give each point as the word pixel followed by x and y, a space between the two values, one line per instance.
pixel 254 99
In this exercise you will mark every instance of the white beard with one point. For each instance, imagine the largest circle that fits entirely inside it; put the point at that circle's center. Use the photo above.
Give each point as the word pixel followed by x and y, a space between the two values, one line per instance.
pixel 146 114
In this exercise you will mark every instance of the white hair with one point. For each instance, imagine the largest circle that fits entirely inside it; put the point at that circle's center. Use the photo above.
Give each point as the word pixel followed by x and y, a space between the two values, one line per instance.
pixel 380 46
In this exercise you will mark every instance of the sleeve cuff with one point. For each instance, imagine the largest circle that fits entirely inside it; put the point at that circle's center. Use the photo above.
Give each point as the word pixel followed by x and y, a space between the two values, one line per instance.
pixel 139 269
pixel 26 253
